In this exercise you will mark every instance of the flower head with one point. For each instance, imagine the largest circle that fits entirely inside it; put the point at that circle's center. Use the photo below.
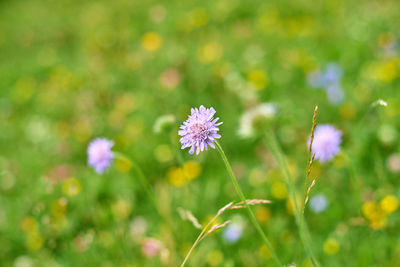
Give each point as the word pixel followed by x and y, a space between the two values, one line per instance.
pixel 233 232
pixel 329 79
pixel 199 130
pixel 318 203
pixel 100 155
pixel 151 247
pixel 326 142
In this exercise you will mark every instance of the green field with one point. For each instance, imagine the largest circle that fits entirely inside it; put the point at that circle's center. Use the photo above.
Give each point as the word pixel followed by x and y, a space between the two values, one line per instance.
pixel 130 71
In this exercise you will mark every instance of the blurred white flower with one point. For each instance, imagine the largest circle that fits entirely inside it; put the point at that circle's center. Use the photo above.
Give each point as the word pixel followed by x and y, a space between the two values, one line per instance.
pixel 318 203
pixel 138 228
pixel 393 163
pixel 163 122
pixel 258 114
pixel 379 102
pixel 23 261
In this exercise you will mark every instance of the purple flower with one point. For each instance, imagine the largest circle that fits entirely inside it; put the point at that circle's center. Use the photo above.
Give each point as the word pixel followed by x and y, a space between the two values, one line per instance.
pixel 335 94
pixel 233 232
pixel 333 73
pixel 199 130
pixel 329 80
pixel 318 203
pixel 326 142
pixel 100 155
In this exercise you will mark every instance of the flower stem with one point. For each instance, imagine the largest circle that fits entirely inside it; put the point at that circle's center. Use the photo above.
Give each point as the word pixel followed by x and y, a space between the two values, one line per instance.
pixel 243 199
pixel 198 240
pixel 304 233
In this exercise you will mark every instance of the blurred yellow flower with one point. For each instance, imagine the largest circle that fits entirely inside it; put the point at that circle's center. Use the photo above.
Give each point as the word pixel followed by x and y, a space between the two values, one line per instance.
pixel 379 222
pixel 133 129
pixel 62 129
pixel 215 258
pixel 163 153
pixel 198 17
pixel 34 241
pixel 209 52
pixel 257 177
pixel 375 215
pixel 341 160
pixel 71 187
pixel 122 209
pixel 369 209
pixel 151 41
pixel 316 170
pixel 123 164
pixel 289 204
pixel 181 176
pixel 257 79
pixel 347 111
pixel 29 225
pixel 116 119
pixel 176 177
pixel 331 246
pixel 58 208
pixel 269 22
pixel 82 131
pixel 264 252
pixel 385 71
pixel 23 90
pixel 278 190
pixel 192 169
pixel 263 214
pixel 106 239
pixel 133 61
pixel 389 204
pixel 126 103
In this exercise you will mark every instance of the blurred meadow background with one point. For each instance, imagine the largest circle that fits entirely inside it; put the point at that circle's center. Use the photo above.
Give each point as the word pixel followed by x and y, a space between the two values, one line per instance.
pixel 129 71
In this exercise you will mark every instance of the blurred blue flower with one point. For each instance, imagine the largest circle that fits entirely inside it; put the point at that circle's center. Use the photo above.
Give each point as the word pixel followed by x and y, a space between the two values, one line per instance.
pixel 329 80
pixel 318 203
pixel 332 74
pixel 316 79
pixel 335 94
pixel 326 142
pixel 100 155
pixel 199 130
pixel 233 232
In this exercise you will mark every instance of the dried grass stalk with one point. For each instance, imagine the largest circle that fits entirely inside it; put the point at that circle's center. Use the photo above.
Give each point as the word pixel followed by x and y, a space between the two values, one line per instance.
pixel 230 206
pixel 214 228
pixel 311 157
pixel 308 192
pixel 187 215
pixel 250 202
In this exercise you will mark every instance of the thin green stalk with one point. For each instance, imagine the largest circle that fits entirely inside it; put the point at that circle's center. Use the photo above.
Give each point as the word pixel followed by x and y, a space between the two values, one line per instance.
pixel 150 193
pixel 243 199
pixel 304 233
pixel 142 179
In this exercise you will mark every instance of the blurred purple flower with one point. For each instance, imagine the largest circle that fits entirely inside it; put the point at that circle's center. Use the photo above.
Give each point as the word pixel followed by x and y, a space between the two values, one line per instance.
pixel 318 203
pixel 329 80
pixel 326 142
pixel 233 232
pixel 199 130
pixel 100 155
pixel 333 73
pixel 315 79
pixel 335 94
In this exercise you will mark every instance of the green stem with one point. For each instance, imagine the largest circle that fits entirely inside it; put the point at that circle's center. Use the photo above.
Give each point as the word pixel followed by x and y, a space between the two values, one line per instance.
pixel 304 233
pixel 150 193
pixel 243 199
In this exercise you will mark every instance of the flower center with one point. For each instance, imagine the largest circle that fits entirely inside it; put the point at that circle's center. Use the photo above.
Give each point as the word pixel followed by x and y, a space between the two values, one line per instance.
pixel 199 131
